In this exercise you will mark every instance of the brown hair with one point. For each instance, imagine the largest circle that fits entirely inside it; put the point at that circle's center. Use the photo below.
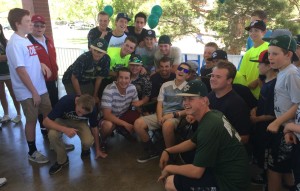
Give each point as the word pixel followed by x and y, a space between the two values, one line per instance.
pixel 103 13
pixel 229 67
pixel 123 69
pixel 15 16
pixel 166 59
pixel 87 102
pixel 260 14
pixel 212 44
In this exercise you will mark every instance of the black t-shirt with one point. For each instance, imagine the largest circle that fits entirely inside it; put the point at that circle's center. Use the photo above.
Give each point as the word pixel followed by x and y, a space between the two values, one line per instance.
pixel 65 109
pixel 157 81
pixel 93 34
pixel 246 94
pixel 234 108
pixel 205 77
pixel 139 37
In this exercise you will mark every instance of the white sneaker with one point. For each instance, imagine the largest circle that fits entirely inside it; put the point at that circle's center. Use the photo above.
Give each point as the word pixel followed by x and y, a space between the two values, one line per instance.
pixel 5 118
pixel 2 181
pixel 38 157
pixel 17 119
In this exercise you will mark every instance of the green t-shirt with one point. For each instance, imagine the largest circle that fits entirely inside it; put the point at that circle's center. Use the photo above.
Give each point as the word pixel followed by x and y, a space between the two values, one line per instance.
pixel 249 69
pixel 115 58
pixel 218 147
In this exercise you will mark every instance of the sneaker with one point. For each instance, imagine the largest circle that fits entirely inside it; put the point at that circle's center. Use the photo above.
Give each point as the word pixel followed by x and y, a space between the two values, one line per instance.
pixel 2 181
pixel 57 167
pixel 38 157
pixel 68 147
pixel 85 153
pixel 5 119
pixel 258 180
pixel 17 119
pixel 148 156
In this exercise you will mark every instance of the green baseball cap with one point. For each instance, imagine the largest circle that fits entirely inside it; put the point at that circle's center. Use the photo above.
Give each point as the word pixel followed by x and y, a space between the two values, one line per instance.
pixel 194 88
pixel 287 43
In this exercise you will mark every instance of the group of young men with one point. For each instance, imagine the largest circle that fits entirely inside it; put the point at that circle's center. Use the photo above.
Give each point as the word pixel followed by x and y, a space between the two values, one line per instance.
pixel 125 73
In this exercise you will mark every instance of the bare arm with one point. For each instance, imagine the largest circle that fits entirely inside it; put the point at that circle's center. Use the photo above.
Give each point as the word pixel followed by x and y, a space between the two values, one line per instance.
pixel 159 111
pixel 188 170
pixel 99 153
pixel 21 71
pixel 75 84
pixel 3 58
pixel 141 102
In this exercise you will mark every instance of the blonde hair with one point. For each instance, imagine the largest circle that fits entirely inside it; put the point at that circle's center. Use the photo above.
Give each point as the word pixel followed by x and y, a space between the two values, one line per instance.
pixel 87 102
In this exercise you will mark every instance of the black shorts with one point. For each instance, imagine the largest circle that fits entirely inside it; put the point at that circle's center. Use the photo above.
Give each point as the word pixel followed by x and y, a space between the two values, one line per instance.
pixel 206 183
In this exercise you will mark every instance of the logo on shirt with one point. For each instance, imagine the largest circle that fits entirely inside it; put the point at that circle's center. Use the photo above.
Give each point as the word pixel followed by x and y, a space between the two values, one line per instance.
pixel 32 51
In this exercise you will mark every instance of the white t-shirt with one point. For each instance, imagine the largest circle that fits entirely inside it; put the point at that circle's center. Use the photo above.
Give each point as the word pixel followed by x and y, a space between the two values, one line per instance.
pixel 21 52
pixel 117 41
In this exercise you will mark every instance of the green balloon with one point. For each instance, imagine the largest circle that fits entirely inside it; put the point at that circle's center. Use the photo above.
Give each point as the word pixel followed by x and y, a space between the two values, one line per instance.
pixel 153 21
pixel 156 10
pixel 222 1
pixel 109 10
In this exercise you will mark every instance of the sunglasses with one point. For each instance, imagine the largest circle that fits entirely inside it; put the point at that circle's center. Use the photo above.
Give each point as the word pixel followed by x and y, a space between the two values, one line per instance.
pixel 186 71
pixel 39 26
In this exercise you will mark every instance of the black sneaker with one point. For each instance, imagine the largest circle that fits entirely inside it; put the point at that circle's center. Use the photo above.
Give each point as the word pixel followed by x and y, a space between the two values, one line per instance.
pixel 85 153
pixel 148 156
pixel 57 167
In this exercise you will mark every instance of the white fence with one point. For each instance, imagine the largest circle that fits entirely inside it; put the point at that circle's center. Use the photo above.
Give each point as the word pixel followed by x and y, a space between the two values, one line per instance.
pixel 66 56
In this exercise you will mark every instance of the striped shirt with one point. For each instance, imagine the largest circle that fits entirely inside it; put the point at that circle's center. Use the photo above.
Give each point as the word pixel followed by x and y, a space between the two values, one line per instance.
pixel 119 104
pixel 167 95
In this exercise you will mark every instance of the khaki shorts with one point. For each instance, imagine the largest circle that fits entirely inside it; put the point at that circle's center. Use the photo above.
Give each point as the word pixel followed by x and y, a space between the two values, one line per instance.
pixel 31 112
pixel 152 123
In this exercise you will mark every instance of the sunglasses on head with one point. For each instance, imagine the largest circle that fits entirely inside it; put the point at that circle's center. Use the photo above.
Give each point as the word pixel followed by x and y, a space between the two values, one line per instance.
pixel 186 71
pixel 39 26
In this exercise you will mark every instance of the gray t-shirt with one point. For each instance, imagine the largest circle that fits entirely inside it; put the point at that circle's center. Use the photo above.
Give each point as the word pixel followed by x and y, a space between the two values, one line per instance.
pixel 287 90
pixel 175 55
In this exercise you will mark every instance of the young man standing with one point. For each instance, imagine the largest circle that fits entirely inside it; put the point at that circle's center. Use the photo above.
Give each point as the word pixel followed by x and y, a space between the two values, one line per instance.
pixel 45 49
pixel 27 77
pixel 167 116
pixel 138 31
pixel 116 38
pixel 166 49
pixel 101 30
pixel 148 50
pixel 220 162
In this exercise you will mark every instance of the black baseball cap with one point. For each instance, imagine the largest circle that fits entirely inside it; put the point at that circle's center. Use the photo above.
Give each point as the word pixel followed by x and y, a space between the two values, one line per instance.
pixel 135 59
pixel 150 33
pixel 263 58
pixel 164 39
pixel 218 54
pixel 258 24
pixel 124 16
pixel 100 45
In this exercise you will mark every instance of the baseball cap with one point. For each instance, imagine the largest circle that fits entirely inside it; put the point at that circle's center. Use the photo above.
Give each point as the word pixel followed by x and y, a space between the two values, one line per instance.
pixel 193 65
pixel 38 18
pixel 164 39
pixel 218 54
pixel 278 32
pixel 263 58
pixel 258 24
pixel 150 33
pixel 124 16
pixel 135 59
pixel 194 88
pixel 100 44
pixel 287 43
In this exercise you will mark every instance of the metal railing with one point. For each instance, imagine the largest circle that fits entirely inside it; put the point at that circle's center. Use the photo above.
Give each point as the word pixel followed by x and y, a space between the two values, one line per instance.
pixel 67 56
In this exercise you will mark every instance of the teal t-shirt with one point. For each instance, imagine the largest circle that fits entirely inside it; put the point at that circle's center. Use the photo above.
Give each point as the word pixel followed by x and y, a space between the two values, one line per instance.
pixel 218 147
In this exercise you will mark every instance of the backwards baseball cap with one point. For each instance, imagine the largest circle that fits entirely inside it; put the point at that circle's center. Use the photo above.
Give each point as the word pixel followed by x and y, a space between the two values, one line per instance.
pixel 263 58
pixel 194 88
pixel 100 44
pixel 258 24
pixel 135 59
pixel 193 65
pixel 278 32
pixel 38 18
pixel 287 43
pixel 164 39
pixel 218 54
pixel 150 33
pixel 124 16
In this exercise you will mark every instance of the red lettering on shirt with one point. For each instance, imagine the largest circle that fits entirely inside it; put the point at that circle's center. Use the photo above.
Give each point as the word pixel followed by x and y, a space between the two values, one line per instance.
pixel 31 50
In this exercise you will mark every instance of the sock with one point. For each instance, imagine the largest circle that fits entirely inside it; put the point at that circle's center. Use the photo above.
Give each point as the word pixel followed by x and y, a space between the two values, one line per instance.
pixel 31 146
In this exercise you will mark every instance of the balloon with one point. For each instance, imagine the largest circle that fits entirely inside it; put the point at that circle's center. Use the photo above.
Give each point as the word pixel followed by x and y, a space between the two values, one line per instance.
pixel 222 1
pixel 156 10
pixel 109 10
pixel 153 21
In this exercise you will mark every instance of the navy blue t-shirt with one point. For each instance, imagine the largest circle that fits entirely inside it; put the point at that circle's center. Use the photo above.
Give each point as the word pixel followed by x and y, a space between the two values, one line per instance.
pixel 65 109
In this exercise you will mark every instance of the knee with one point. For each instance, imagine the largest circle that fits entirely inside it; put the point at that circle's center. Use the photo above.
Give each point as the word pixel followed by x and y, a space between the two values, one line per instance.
pixel 168 127
pixel 107 126
pixel 87 141
pixel 139 124
pixel 53 134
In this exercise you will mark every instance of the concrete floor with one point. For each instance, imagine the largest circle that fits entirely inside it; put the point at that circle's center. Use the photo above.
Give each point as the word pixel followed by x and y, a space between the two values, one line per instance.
pixel 119 171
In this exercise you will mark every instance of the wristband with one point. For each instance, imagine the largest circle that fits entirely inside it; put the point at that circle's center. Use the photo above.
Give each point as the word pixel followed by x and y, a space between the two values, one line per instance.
pixel 167 152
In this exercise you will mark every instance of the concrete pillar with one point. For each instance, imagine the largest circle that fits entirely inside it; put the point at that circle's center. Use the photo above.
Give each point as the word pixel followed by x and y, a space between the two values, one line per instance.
pixel 40 7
